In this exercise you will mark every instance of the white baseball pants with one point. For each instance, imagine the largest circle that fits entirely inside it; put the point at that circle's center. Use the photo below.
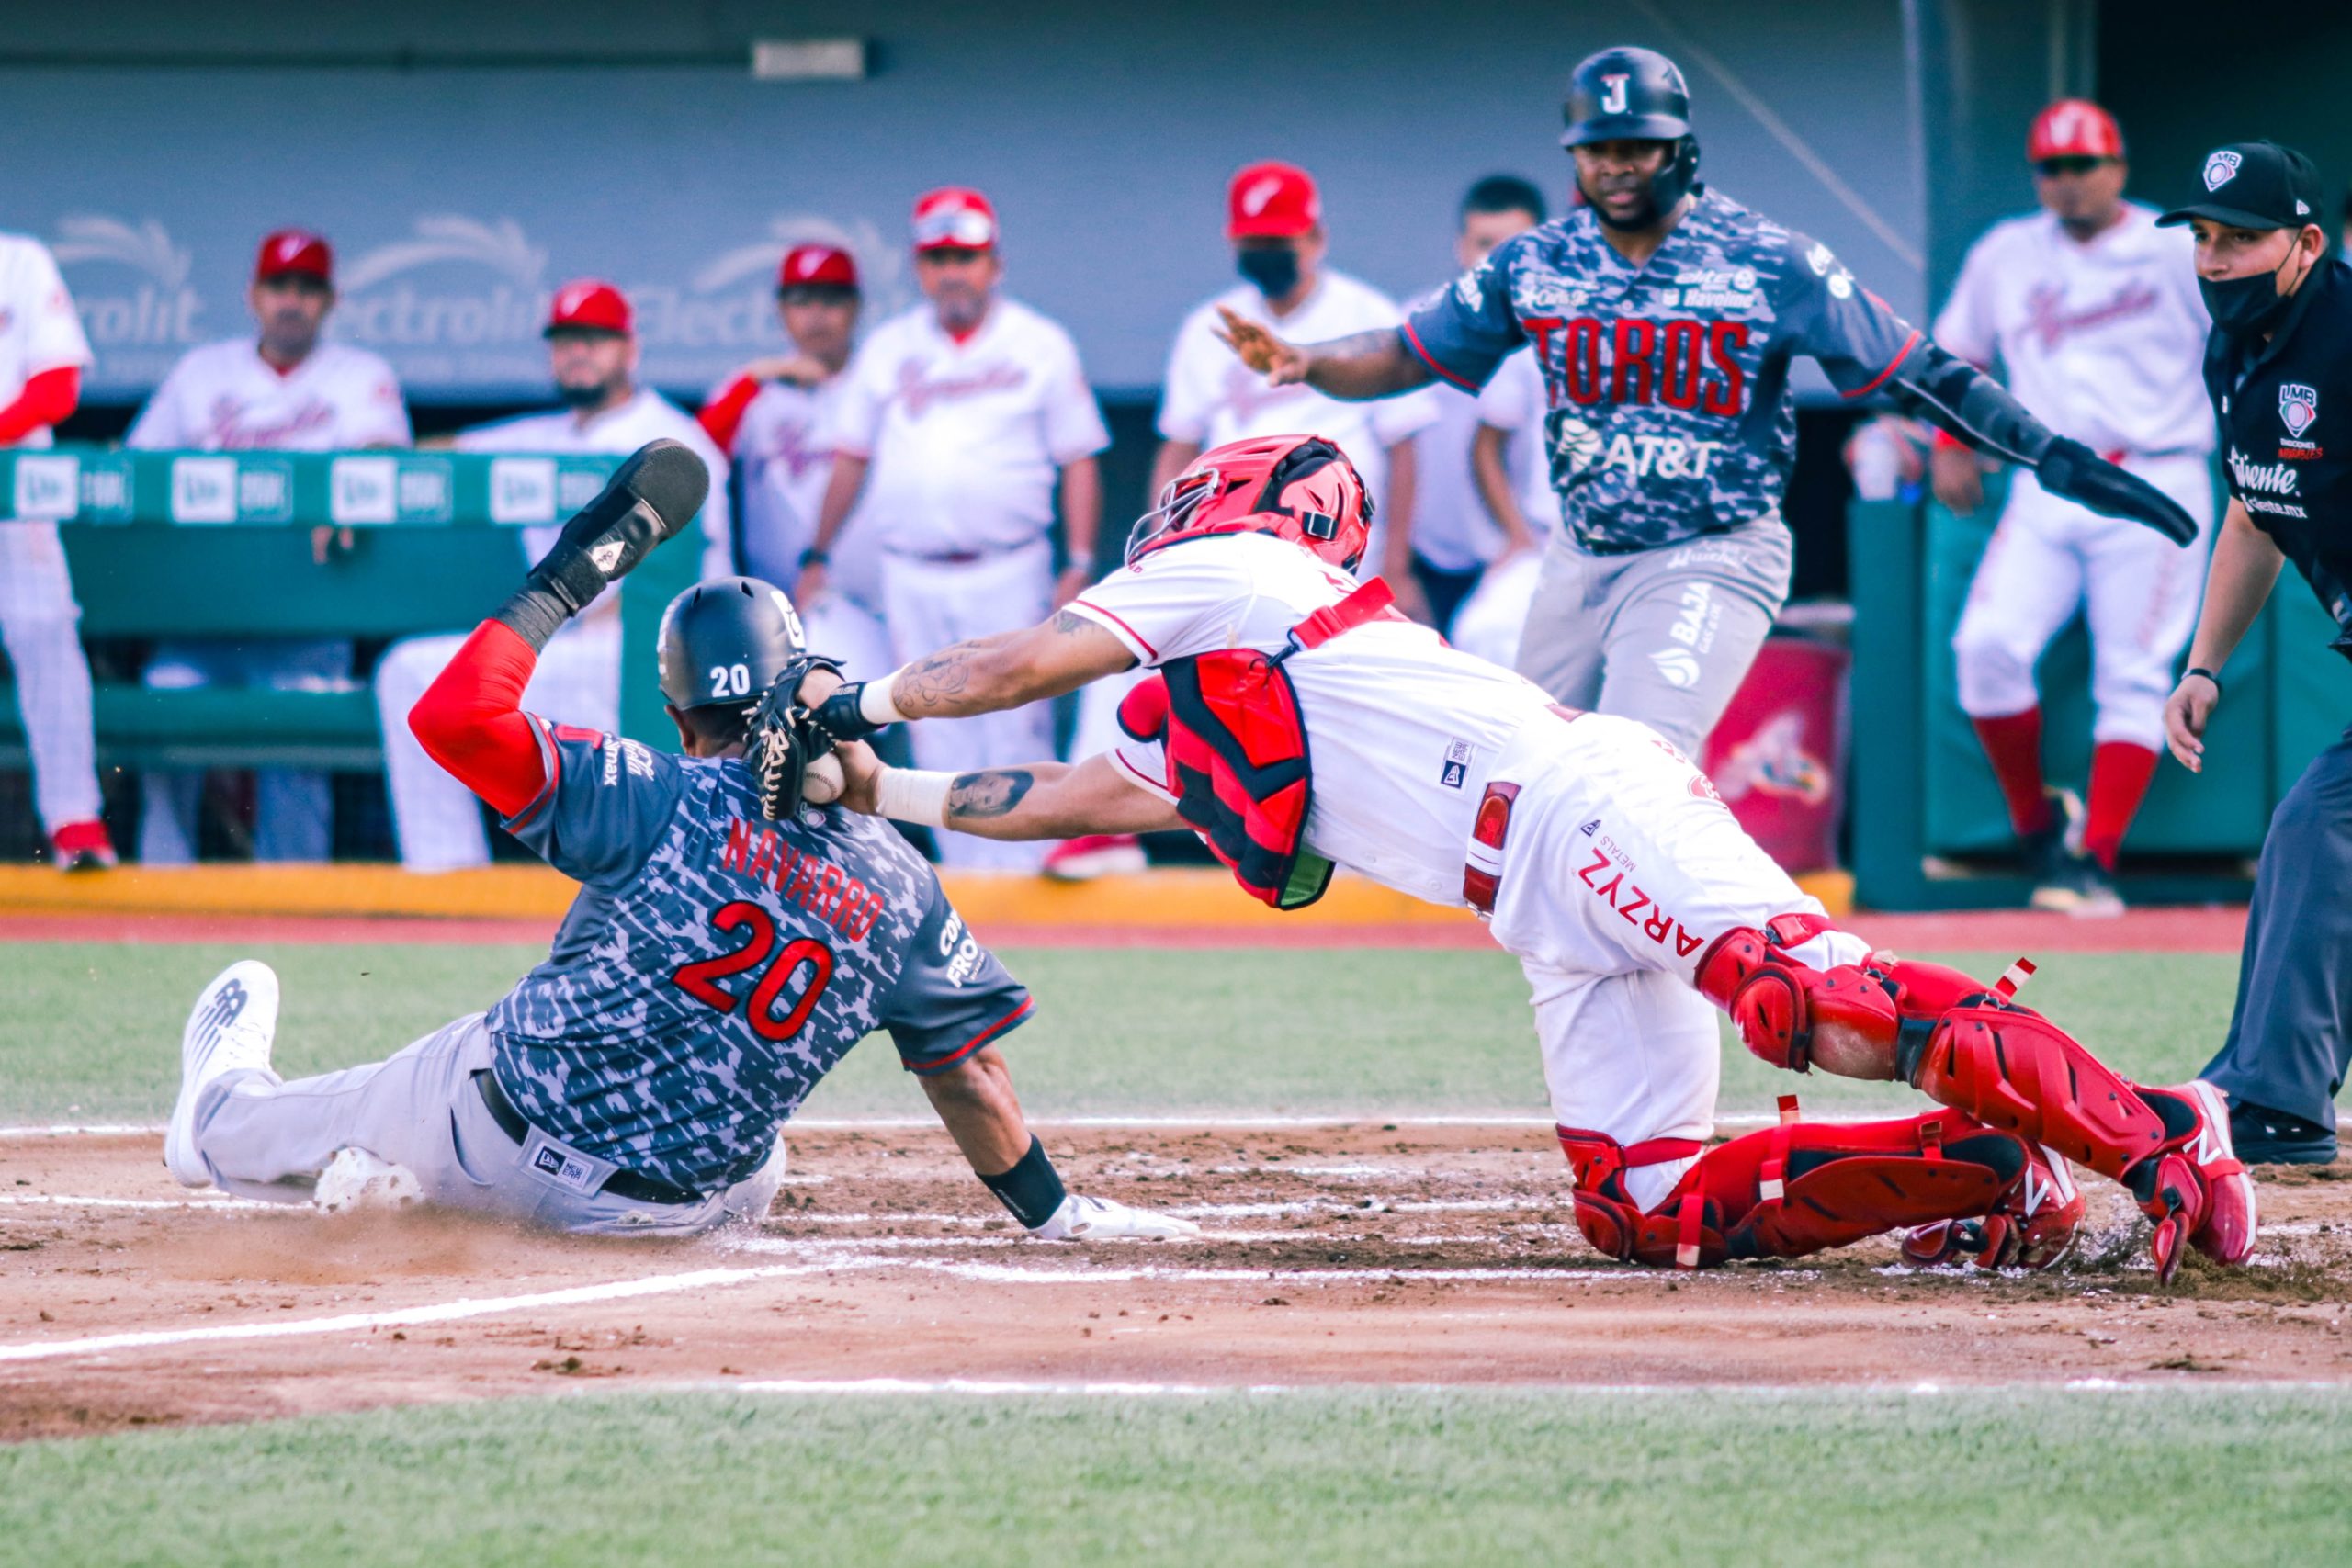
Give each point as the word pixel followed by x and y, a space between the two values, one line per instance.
pixel 40 625
pixel 928 604
pixel 438 820
pixel 1619 868
pixel 2048 557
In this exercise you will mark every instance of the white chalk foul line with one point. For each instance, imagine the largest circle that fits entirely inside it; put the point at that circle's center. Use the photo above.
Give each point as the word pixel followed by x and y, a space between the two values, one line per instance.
pixel 70 1200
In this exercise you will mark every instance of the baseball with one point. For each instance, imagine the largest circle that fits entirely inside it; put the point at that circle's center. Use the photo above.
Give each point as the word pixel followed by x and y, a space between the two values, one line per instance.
pixel 823 782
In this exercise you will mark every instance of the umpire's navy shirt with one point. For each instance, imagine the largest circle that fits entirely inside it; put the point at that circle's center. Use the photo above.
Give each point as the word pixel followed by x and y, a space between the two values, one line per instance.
pixel 2286 413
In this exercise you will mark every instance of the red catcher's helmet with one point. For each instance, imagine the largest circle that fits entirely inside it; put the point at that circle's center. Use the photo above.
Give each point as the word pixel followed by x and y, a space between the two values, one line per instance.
pixel 1300 488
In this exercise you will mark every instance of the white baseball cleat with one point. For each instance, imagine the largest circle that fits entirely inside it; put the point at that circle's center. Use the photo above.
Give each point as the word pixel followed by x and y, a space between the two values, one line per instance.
pixel 229 1031
pixel 356 1179
pixel 1100 1218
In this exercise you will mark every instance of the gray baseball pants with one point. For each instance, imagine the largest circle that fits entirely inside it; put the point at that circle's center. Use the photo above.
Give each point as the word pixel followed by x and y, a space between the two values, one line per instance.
pixel 420 1109
pixel 1664 635
pixel 2290 1035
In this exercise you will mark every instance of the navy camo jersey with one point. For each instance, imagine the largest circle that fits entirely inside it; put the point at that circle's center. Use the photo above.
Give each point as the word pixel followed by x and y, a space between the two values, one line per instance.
pixel 1668 413
pixel 716 964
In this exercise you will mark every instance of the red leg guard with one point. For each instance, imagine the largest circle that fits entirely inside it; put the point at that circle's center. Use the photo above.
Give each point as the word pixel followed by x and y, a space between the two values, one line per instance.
pixel 2017 1070
pixel 1797 1189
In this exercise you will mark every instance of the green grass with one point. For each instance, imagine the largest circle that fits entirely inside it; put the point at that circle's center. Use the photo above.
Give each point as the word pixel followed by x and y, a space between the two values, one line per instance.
pixel 1347 1477
pixel 92 1029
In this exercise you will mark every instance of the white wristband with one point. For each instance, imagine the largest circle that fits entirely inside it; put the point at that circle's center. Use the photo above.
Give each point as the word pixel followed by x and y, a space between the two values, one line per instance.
pixel 914 794
pixel 874 703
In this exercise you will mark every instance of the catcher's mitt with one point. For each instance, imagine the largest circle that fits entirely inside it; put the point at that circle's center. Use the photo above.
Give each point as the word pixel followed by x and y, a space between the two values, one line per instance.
pixel 784 737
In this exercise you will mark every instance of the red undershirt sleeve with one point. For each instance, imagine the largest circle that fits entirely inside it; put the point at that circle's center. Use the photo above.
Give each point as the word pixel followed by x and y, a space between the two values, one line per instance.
pixel 47 399
pixel 470 720
pixel 723 415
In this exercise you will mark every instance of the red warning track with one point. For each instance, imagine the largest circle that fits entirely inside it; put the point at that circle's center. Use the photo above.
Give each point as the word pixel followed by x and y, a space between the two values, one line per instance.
pixel 2030 933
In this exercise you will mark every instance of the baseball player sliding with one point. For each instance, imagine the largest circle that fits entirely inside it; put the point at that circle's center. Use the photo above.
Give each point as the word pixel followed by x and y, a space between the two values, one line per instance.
pixel 2093 312
pixel 1299 722
pixel 714 967
pixel 1665 318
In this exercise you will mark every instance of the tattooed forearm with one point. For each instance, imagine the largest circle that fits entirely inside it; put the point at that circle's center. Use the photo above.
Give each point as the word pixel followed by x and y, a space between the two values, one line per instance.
pixel 936 681
pixel 1067 624
pixel 1367 364
pixel 993 793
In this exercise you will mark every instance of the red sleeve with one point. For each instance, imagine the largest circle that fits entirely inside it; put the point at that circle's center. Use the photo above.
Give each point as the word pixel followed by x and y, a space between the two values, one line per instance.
pixel 723 415
pixel 470 720
pixel 47 399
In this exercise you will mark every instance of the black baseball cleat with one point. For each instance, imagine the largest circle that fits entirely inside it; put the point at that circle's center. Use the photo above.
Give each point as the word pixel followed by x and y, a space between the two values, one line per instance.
pixel 2263 1136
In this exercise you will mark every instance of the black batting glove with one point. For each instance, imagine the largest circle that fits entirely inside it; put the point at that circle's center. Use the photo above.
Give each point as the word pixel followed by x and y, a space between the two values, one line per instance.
pixel 650 499
pixel 2073 472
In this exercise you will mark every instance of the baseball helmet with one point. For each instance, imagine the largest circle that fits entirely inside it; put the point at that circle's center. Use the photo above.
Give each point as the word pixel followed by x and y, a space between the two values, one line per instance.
pixel 1634 94
pixel 724 642
pixel 1300 488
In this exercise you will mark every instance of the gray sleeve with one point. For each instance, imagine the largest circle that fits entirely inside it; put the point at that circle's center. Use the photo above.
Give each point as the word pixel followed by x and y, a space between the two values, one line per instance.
pixel 953 995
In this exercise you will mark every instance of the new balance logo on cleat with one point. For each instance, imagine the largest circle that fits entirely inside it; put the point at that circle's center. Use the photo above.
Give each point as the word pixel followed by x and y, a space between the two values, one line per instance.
pixel 227 1004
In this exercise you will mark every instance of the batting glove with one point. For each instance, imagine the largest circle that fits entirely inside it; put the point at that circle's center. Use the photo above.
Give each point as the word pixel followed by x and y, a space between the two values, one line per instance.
pixel 1100 1218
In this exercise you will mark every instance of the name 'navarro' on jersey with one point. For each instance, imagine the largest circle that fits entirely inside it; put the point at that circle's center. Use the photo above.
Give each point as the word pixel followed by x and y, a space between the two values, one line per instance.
pixel 1668 413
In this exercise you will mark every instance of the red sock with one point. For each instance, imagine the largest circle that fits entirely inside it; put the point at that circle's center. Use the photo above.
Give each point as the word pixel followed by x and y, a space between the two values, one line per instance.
pixel 2013 743
pixel 2120 776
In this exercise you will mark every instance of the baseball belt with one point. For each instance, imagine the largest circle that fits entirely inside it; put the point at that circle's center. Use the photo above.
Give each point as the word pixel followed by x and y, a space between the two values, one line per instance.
pixel 620 1184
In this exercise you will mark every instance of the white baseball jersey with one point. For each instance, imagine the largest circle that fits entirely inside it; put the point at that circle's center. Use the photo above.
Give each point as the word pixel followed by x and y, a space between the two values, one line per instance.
pixel 646 416
pixel 38 327
pixel 2103 341
pixel 781 453
pixel 1212 398
pixel 1402 729
pixel 966 438
pixel 224 397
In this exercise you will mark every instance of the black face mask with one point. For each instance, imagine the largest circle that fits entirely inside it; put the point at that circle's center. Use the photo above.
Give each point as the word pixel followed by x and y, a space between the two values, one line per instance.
pixel 1275 271
pixel 2242 307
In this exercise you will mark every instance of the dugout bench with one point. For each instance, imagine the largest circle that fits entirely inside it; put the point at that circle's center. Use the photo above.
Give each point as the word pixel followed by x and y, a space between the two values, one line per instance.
pixel 1929 827
pixel 214 545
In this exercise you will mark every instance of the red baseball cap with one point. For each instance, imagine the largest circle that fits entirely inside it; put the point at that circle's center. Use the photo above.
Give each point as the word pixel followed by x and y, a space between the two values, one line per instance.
pixel 1271 199
pixel 817 266
pixel 2073 128
pixel 955 218
pixel 296 250
pixel 588 304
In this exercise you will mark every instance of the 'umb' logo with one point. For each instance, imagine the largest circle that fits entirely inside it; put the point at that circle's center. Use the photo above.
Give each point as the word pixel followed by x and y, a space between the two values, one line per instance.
pixel 2221 169
pixel 2298 406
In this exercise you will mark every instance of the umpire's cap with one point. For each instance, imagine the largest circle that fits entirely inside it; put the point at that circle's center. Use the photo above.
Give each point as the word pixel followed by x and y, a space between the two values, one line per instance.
pixel 1626 95
pixel 2254 184
pixel 724 642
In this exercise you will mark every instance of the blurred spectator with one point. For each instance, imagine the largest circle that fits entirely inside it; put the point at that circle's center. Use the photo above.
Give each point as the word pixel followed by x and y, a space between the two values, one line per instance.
pixel 592 351
pixel 42 352
pixel 1274 219
pixel 289 390
pixel 770 419
pixel 1465 518
pixel 2094 314
pixel 964 411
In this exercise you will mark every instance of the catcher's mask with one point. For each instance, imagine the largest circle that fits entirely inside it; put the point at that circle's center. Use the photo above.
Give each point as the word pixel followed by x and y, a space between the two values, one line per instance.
pixel 1300 488
pixel 724 642
pixel 1634 94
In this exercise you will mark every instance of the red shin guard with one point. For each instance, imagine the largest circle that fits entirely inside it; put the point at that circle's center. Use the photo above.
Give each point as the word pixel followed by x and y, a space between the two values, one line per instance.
pixel 2017 1070
pixel 1796 1189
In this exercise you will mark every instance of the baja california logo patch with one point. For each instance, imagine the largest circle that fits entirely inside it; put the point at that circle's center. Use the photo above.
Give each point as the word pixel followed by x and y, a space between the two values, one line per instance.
pixel 2221 169
pixel 2298 406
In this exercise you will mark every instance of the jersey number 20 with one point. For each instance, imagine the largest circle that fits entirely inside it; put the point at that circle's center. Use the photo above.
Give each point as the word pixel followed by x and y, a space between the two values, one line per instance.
pixel 699 979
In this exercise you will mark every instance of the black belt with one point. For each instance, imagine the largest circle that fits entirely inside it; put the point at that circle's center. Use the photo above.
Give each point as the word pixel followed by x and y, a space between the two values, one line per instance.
pixel 620 1184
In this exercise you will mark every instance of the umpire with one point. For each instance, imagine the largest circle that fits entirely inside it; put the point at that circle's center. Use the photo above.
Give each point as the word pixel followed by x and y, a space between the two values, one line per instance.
pixel 2278 366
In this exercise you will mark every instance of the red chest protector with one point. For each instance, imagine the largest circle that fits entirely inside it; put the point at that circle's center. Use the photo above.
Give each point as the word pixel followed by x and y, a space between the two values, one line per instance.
pixel 1235 744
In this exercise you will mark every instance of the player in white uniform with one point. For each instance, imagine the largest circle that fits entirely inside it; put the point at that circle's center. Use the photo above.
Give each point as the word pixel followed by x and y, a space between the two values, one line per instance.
pixel 770 419
pixel 43 354
pixel 963 413
pixel 592 345
pixel 2094 314
pixel 1603 860
pixel 286 390
pixel 1508 458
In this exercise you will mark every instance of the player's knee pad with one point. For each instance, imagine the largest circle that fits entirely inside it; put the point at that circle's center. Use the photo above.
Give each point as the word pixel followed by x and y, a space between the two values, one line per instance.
pixel 1857 1015
pixel 1605 1213
pixel 2018 1071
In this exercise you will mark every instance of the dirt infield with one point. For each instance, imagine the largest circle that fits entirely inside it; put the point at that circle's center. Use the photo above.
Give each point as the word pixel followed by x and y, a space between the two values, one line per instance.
pixel 2214 929
pixel 1370 1252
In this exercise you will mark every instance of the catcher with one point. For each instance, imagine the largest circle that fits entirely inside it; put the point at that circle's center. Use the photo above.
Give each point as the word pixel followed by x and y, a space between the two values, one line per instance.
pixel 714 967
pixel 1297 722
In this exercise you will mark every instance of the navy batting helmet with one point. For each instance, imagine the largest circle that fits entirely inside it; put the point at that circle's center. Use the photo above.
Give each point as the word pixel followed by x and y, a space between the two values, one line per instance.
pixel 724 642
pixel 1636 95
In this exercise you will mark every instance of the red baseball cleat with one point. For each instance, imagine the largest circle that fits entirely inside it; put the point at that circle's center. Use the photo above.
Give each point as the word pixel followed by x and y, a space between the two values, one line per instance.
pixel 1091 856
pixel 2030 1228
pixel 2196 1190
pixel 82 846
